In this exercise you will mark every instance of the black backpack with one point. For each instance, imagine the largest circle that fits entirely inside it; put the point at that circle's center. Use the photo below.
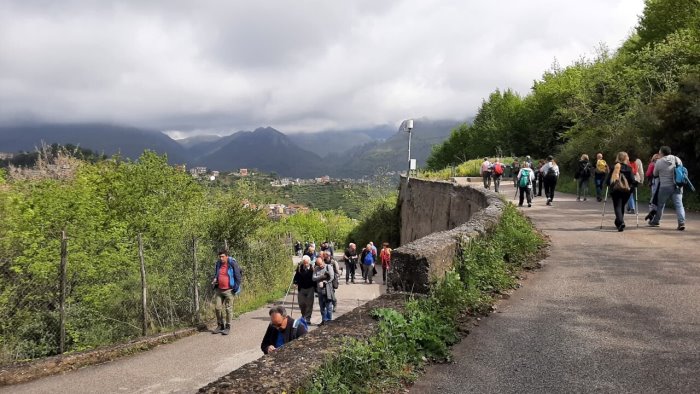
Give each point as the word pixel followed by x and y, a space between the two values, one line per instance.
pixel 336 273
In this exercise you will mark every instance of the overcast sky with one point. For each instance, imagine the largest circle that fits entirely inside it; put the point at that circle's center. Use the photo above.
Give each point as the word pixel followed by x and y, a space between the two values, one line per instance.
pixel 224 66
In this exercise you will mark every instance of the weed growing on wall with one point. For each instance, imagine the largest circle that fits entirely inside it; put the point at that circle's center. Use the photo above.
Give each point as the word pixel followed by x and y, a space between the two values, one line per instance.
pixel 428 326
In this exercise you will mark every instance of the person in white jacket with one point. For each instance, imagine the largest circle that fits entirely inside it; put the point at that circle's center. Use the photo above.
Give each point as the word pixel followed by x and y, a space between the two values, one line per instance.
pixel 524 180
pixel 550 174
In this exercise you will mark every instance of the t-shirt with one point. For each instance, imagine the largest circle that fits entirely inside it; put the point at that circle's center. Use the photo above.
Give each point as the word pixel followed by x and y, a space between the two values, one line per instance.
pixel 223 278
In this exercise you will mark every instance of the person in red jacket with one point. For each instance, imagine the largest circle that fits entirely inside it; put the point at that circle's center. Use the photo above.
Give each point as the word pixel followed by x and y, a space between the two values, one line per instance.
pixel 385 258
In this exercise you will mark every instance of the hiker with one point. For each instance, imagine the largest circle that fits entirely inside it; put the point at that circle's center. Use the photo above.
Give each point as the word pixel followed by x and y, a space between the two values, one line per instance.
pixel 350 258
pixel 664 171
pixel 326 247
pixel 281 330
pixel 329 260
pixel 385 258
pixel 621 183
pixel 525 177
pixel 653 184
pixel 367 259
pixel 600 174
pixel 582 175
pixel 485 172
pixel 515 170
pixel 303 278
pixel 323 276
pixel 539 178
pixel 297 249
pixel 498 168
pixel 638 174
pixel 226 282
pixel 311 251
pixel 550 174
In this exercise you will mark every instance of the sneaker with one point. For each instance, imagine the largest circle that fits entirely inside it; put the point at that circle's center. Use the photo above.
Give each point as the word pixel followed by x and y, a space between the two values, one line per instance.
pixel 529 205
pixel 219 329
pixel 681 227
pixel 584 199
pixel 549 202
pixel 578 198
pixel 226 330
pixel 520 205
pixel 653 224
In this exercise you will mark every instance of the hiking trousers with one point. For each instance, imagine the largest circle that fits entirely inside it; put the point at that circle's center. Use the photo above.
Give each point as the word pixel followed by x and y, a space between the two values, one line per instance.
pixel 525 192
pixel 487 180
pixel 350 272
pixel 496 182
pixel 223 299
pixel 550 183
pixel 619 199
pixel 306 302
pixel 582 189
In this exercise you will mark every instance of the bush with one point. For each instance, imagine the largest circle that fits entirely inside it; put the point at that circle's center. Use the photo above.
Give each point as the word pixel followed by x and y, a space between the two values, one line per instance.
pixel 428 326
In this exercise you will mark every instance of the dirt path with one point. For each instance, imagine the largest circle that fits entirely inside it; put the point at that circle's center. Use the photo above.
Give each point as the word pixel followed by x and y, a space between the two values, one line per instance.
pixel 190 363
pixel 609 312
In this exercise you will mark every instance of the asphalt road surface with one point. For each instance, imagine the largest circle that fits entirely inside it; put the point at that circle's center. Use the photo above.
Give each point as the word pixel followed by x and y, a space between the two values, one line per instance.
pixel 609 312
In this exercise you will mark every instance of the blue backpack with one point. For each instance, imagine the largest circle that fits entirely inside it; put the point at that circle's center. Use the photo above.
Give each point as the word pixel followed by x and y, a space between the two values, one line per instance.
pixel 295 326
pixel 680 176
pixel 369 258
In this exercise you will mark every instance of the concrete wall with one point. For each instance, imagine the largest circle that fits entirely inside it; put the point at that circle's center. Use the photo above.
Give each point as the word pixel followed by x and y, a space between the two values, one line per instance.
pixel 436 217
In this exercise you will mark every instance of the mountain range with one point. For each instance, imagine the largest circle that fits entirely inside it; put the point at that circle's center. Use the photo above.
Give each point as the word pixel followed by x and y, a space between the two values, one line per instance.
pixel 338 153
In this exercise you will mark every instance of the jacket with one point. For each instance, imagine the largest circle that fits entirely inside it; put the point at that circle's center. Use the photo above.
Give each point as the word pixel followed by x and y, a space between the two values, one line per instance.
pixel 289 334
pixel 234 274
pixel 545 169
pixel 625 171
pixel 581 171
pixel 304 277
pixel 664 169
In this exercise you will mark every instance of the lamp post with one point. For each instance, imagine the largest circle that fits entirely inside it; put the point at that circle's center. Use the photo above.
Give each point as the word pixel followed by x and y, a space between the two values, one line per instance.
pixel 407 127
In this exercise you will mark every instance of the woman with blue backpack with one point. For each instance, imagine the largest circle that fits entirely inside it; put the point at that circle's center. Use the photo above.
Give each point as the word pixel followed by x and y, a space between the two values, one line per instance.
pixel 367 259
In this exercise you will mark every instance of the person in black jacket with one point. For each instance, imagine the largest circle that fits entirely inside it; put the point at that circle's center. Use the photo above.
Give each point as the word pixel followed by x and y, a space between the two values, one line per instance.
pixel 582 175
pixel 282 330
pixel 306 287
pixel 620 194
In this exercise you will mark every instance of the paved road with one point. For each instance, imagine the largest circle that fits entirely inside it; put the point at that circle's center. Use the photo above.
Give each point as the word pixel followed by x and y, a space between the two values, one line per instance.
pixel 609 313
pixel 192 362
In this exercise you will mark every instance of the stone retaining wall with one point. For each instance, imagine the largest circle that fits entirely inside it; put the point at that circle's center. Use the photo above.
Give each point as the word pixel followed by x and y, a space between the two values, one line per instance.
pixel 436 217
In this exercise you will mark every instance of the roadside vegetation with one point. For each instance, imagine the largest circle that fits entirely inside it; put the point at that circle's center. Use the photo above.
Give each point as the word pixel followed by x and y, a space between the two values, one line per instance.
pixel 423 332
pixel 635 99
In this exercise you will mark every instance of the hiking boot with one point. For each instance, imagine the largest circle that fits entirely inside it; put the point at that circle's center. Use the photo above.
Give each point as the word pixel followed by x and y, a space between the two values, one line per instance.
pixel 529 205
pixel 681 227
pixel 654 224
pixel 219 329
pixel 226 330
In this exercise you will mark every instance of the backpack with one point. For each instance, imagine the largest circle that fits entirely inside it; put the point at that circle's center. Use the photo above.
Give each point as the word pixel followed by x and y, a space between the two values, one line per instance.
pixel 524 178
pixel 337 273
pixel 586 170
pixel 680 174
pixel 601 166
pixel 297 323
pixel 550 172
pixel 368 259
pixel 498 169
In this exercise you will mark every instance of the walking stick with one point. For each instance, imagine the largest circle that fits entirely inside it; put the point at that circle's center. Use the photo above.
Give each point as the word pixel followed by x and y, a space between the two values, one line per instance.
pixel 636 205
pixel 604 203
pixel 292 312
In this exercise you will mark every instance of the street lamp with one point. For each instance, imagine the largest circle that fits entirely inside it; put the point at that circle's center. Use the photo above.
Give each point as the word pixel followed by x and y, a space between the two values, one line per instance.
pixel 407 126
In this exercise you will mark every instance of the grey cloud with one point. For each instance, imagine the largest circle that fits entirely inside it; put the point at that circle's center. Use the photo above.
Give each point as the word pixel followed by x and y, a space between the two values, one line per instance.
pixel 231 65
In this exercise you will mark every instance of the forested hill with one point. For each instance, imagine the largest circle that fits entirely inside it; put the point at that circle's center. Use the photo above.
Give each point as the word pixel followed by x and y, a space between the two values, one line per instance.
pixel 637 98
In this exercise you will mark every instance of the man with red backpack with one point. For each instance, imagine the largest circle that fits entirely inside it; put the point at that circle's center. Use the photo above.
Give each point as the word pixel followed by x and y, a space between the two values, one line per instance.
pixel 497 174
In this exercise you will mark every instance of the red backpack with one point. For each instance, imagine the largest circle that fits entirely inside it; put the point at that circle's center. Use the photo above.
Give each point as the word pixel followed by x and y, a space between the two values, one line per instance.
pixel 498 169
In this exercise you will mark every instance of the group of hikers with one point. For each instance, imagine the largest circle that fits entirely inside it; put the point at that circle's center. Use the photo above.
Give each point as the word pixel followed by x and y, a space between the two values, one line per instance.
pixel 665 175
pixel 317 275
pixel 526 178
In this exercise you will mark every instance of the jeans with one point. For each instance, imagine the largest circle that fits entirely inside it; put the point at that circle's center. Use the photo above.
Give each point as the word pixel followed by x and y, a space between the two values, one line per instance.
pixel 619 200
pixel 676 195
pixel 525 192
pixel 326 306
pixel 582 188
pixel 487 180
pixel 306 302
pixel 630 203
pixel 599 181
pixel 223 299
pixel 653 202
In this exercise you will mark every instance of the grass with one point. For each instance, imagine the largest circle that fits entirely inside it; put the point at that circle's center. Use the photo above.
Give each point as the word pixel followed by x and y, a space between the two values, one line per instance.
pixel 424 332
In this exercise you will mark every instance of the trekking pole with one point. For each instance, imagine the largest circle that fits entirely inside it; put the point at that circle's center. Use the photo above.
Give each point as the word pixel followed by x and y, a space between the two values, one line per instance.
pixel 288 289
pixel 604 203
pixel 292 312
pixel 636 205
